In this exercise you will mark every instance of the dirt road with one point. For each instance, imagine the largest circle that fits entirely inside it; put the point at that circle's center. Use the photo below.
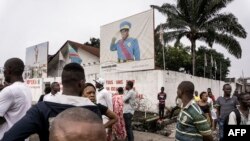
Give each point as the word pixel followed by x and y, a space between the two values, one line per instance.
pixel 145 136
pixel 139 136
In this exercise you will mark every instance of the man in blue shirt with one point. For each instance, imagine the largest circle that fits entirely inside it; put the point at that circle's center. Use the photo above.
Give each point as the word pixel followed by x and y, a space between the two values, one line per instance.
pixel 39 118
pixel 127 48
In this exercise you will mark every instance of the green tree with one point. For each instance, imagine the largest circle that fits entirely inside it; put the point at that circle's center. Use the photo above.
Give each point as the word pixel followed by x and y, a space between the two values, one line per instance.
pixel 222 64
pixel 202 20
pixel 175 58
pixel 94 42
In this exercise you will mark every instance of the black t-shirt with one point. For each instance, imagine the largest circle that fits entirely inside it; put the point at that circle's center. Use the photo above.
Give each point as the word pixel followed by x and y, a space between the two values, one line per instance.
pixel 41 98
pixel 37 120
pixel 103 109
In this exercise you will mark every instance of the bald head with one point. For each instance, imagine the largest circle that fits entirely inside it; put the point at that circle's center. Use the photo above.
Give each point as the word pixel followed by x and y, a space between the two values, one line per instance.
pixel 77 124
pixel 55 87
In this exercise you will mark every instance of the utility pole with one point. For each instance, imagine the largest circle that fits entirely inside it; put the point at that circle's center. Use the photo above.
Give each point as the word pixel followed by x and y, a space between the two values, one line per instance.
pixel 163 46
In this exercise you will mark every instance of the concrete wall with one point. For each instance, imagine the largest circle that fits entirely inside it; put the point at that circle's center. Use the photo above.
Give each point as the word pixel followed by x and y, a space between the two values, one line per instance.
pixel 36 87
pixel 172 80
pixel 148 84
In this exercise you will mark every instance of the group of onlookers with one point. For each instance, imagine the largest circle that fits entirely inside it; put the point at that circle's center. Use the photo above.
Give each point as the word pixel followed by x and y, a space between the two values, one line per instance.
pixel 200 114
pixel 81 111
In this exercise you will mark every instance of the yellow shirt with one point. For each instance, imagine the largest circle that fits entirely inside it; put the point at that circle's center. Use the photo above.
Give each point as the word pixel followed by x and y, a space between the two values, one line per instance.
pixel 196 98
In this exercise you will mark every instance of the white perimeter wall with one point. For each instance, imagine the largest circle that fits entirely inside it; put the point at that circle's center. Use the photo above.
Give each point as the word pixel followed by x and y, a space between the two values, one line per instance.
pixel 148 84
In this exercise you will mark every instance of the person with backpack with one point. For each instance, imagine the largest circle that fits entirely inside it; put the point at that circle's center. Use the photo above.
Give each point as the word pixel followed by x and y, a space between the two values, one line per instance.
pixel 225 104
pixel 241 115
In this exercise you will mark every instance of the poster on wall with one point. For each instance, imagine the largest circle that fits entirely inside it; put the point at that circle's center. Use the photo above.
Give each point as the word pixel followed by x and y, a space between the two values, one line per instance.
pixel 128 44
pixel 36 61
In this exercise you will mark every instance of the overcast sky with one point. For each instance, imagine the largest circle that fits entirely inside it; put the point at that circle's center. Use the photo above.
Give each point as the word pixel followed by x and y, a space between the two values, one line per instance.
pixel 24 23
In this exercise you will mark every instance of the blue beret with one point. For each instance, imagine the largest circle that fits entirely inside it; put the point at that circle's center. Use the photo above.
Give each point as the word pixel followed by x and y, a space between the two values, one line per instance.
pixel 125 25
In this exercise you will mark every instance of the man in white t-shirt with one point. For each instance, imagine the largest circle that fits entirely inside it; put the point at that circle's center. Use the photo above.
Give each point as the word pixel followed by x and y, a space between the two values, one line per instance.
pixel 16 98
pixel 129 109
pixel 55 89
pixel 242 117
pixel 103 97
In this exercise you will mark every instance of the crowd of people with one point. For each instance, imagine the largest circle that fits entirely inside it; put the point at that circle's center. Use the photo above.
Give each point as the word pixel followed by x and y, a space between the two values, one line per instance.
pixel 64 115
pixel 87 111
pixel 201 113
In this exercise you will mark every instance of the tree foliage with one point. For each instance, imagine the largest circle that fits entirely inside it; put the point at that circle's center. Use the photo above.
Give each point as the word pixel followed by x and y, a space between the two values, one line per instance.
pixel 175 58
pixel 94 42
pixel 179 57
pixel 202 20
pixel 218 70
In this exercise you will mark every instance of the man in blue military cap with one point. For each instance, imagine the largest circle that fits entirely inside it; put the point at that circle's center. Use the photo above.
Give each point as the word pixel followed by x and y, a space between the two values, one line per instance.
pixel 127 48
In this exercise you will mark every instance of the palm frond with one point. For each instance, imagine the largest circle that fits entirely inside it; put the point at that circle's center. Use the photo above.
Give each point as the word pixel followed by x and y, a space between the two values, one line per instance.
pixel 175 23
pixel 179 25
pixel 174 35
pixel 166 9
pixel 212 8
pixel 226 23
pixel 207 36
pixel 184 7
pixel 230 43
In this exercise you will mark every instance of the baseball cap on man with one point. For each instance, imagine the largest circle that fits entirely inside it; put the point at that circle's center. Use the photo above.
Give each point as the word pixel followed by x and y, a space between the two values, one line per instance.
pixel 100 81
pixel 125 25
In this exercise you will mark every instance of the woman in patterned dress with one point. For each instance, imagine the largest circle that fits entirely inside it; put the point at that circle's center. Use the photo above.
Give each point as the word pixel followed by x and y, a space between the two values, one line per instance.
pixel 119 132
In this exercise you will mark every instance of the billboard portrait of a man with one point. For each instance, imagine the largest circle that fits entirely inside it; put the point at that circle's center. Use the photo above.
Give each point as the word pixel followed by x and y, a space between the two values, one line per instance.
pixel 128 44
pixel 127 47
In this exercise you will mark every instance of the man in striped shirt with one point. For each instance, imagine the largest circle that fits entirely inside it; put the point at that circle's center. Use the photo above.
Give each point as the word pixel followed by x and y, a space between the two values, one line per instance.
pixel 191 125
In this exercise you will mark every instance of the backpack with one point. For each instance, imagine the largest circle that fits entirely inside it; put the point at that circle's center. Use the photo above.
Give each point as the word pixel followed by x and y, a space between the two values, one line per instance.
pixel 237 114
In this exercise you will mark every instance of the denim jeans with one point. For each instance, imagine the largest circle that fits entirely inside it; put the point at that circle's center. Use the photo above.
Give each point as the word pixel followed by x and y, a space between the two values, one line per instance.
pixel 128 125
pixel 221 128
pixel 161 110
